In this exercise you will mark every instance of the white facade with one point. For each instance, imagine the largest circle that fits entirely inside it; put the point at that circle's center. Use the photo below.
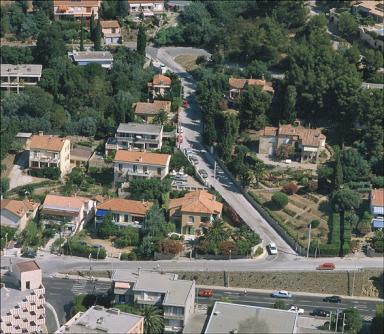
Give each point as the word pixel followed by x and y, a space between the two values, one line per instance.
pixel 147 8
pixel 15 77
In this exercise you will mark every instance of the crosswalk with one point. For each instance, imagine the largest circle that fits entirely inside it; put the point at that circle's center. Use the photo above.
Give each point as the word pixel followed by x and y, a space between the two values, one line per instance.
pixel 86 287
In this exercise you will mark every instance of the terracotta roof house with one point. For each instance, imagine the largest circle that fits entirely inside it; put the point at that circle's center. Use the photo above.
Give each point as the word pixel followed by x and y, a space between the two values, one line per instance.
pixel 49 151
pixel 145 7
pixel 111 32
pixel 310 142
pixel 72 212
pixel 148 110
pixel 195 210
pixel 377 202
pixel 16 214
pixel 80 157
pixel 129 165
pixel 159 85
pixel 237 86
pixel 124 212
pixel 76 8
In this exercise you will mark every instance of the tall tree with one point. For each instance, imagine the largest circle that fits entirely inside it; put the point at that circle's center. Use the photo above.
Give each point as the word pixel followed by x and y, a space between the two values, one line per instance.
pixel 97 40
pixel 82 34
pixel 141 40
pixel 49 45
pixel 338 173
pixel 289 104
pixel 46 6
pixel 92 26
pixel 345 200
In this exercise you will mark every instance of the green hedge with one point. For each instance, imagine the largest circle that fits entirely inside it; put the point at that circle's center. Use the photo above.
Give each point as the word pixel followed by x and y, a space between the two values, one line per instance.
pixel 77 249
pixel 334 225
pixel 52 173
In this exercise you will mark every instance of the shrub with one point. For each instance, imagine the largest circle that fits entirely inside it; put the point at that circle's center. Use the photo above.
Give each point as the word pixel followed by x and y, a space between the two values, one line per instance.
pixel 280 305
pixel 132 256
pixel 364 227
pixel 378 182
pixel 259 251
pixel 312 186
pixel 127 236
pixel 290 188
pixel 280 200
pixel 4 184
pixel 315 223
pixel 170 247
pixel 304 181
pixel 226 247
pixel 52 173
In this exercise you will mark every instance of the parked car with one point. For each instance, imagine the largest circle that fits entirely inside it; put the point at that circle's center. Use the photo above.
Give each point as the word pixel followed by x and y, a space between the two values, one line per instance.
pixel 180 129
pixel 203 173
pixel 185 104
pixel 188 151
pixel 296 309
pixel 193 159
pixel 326 266
pixel 29 254
pixel 332 299
pixel 205 293
pixel 281 294
pixel 318 312
pixel 272 248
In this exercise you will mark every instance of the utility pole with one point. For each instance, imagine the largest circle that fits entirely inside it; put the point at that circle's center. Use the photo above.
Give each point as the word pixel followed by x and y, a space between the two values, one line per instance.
pixel 309 238
pixel 330 321
pixel 342 331
pixel 337 319
pixel 214 175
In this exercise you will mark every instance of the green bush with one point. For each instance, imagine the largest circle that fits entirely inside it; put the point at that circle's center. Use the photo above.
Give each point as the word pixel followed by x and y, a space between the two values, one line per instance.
pixel 304 181
pixel 378 182
pixel 259 251
pixel 132 256
pixel 52 173
pixel 315 223
pixel 329 249
pixel 280 200
pixel 75 248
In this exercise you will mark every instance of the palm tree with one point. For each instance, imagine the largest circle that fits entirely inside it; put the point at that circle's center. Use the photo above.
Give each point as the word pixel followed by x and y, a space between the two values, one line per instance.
pixel 217 232
pixel 153 320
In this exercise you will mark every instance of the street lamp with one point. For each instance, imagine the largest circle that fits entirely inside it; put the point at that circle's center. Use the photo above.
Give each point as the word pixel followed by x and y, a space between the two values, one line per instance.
pixel 230 253
pixel 5 246
pixel 309 238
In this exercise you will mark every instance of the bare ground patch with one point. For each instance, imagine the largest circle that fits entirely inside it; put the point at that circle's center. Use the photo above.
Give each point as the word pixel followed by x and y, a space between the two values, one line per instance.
pixel 187 61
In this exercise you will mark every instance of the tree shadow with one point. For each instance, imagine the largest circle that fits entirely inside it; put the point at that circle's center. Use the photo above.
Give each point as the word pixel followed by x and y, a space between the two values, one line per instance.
pixel 325 207
pixel 378 283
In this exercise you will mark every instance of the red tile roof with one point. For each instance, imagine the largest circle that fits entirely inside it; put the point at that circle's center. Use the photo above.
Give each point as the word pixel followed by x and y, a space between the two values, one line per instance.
pixel 143 158
pixel 19 208
pixel 74 202
pixel 199 201
pixel 27 266
pixel 109 24
pixel 160 79
pixel 240 84
pixel 47 142
pixel 152 108
pixel 377 197
pixel 126 205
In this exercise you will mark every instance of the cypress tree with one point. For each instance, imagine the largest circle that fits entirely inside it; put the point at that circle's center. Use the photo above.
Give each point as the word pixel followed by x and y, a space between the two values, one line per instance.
pixel 338 173
pixel 82 34
pixel 92 26
pixel 97 41
pixel 141 40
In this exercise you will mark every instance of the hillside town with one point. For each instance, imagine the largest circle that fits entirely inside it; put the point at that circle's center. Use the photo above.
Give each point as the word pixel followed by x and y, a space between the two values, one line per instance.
pixel 192 166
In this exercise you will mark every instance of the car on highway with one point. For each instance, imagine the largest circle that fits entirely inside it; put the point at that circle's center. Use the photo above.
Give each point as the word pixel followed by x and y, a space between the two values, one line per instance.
pixel 272 248
pixel 296 309
pixel 205 293
pixel 281 294
pixel 193 159
pixel 332 299
pixel 326 266
pixel 203 173
pixel 185 104
pixel 318 312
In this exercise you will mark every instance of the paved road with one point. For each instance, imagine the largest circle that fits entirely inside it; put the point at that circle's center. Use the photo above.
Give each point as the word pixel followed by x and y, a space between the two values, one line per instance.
pixel 308 303
pixel 192 126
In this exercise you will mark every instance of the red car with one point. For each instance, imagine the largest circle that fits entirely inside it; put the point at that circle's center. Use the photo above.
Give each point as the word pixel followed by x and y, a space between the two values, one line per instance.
pixel 205 293
pixel 185 104
pixel 326 266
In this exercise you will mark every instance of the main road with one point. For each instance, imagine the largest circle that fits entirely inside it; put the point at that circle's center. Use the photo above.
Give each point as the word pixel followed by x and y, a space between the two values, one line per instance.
pixel 190 120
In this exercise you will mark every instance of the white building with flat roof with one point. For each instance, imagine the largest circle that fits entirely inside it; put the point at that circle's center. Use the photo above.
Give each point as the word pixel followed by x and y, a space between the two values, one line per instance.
pixel 82 58
pixel 14 77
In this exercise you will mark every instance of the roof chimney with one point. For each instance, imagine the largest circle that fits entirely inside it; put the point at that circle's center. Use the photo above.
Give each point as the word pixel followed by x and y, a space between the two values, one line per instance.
pixel 41 133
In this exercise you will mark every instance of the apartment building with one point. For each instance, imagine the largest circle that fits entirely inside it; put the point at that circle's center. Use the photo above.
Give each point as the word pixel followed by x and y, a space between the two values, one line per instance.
pixel 149 110
pixel 376 199
pixel 50 151
pixel 16 77
pixel 83 58
pixel 373 9
pixel 71 212
pixel 16 213
pixel 159 85
pixel 99 320
pixel 136 136
pixel 145 7
pixel 194 211
pixel 238 86
pixel 129 165
pixel 111 32
pixel 23 309
pixel 175 297
pixel 124 212
pixel 76 9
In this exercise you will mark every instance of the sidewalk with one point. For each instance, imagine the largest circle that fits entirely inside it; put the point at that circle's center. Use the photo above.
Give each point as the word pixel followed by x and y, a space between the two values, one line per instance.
pixel 214 287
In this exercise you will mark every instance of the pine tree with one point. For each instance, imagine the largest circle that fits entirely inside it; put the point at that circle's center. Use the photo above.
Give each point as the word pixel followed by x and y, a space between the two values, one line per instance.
pixel 141 40
pixel 97 40
pixel 92 26
pixel 82 34
pixel 338 173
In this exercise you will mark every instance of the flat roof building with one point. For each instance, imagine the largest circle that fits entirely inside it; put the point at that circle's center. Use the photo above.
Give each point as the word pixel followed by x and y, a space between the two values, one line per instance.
pixel 82 58
pixel 14 77
pixel 98 319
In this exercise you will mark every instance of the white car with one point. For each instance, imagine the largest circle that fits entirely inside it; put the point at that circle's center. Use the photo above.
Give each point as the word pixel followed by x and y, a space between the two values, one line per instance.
pixel 281 294
pixel 180 129
pixel 296 309
pixel 272 248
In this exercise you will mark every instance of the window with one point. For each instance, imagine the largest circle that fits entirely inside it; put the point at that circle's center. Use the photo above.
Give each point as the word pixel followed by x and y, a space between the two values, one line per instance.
pixel 159 171
pixel 28 285
pixel 145 169
pixel 120 166
pixel 134 168
pixel 191 219
pixel 89 9
pixel 116 217
pixel 126 218
pixel 35 164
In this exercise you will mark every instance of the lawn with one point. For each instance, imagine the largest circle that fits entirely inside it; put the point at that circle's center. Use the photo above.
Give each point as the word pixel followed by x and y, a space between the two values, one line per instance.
pixel 299 212
pixel 187 61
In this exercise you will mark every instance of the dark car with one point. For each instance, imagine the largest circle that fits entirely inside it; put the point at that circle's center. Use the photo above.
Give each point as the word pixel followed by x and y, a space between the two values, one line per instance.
pixel 320 313
pixel 29 254
pixel 332 299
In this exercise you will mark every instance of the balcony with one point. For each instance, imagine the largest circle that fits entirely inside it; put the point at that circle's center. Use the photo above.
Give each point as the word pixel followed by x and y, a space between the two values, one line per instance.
pixel 172 329
pixel 139 173
pixel 148 300
pixel 173 316
pixel 44 158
